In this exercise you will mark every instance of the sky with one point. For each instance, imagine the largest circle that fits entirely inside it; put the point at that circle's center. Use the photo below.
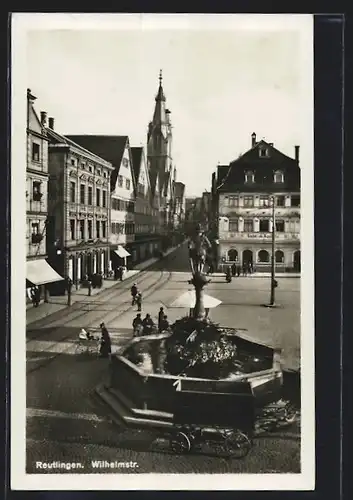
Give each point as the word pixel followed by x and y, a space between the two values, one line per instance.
pixel 223 80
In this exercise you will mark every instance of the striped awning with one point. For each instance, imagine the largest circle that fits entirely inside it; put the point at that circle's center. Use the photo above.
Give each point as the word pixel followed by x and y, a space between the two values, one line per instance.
pixel 121 252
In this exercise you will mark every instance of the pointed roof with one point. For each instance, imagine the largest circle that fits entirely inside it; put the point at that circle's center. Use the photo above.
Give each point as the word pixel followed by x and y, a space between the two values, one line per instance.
pixel 160 94
pixel 109 147
pixel 56 138
pixel 136 153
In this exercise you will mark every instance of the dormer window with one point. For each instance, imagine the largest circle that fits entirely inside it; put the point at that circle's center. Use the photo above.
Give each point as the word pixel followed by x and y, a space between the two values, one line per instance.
pixel 278 176
pixel 249 177
pixel 263 152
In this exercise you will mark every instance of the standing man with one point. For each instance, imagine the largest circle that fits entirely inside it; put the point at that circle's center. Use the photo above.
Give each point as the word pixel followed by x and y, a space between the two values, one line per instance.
pixel 69 284
pixel 160 318
pixel 134 292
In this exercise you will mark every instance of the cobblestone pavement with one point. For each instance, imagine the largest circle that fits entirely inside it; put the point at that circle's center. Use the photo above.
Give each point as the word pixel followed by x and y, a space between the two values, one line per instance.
pixel 66 423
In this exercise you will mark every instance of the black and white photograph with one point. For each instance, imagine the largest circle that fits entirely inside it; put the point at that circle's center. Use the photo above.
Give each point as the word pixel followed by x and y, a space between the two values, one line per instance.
pixel 162 276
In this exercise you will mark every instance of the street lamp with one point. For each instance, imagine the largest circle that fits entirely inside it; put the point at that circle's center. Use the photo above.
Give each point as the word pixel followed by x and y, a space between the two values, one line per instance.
pixel 273 258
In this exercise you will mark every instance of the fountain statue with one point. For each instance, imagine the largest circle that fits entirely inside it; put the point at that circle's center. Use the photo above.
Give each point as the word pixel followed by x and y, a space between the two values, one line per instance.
pixel 198 246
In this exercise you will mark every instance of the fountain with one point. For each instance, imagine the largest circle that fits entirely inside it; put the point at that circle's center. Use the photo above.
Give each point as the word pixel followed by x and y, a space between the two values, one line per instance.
pixel 203 356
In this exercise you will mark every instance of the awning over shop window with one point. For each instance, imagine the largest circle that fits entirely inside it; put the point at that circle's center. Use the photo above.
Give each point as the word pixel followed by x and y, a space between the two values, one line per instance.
pixel 39 272
pixel 122 252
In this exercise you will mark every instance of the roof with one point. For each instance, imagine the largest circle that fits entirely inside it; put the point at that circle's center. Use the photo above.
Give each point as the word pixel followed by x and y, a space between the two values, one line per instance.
pixel 109 147
pixel 231 177
pixel 61 139
pixel 136 153
pixel 179 189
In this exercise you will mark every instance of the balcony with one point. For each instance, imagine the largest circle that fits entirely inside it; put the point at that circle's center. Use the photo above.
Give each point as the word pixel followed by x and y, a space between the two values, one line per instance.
pixel 256 236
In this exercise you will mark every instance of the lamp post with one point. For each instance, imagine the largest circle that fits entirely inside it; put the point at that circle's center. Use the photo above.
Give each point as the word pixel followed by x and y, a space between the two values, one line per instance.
pixel 273 258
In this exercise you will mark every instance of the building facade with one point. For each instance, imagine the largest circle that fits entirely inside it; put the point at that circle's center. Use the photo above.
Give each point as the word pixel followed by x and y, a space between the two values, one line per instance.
pixel 147 228
pixel 245 191
pixel 116 150
pixel 79 209
pixel 39 271
pixel 159 156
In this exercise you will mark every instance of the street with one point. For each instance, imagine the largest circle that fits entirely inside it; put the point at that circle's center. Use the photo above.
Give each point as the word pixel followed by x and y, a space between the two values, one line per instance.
pixel 66 423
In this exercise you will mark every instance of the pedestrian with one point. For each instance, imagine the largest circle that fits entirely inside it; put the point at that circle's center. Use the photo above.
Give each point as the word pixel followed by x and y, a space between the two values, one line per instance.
pixel 238 270
pixel 134 292
pixel 106 343
pixel 234 269
pixel 160 318
pixel 34 296
pixel 137 325
pixel 139 301
pixel 164 325
pixel 147 324
pixel 245 267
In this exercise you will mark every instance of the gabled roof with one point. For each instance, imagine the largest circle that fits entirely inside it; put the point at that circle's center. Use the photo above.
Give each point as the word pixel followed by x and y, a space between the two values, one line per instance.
pixel 253 154
pixel 109 147
pixel 136 153
pixel 56 138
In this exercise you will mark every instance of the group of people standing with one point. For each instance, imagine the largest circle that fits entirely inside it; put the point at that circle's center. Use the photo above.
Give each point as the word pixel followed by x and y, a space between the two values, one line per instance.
pixel 146 326
pixel 245 269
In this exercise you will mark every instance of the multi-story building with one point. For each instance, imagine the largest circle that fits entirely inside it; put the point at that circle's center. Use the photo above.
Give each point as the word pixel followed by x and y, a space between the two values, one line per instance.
pixel 159 156
pixel 116 150
pixel 147 230
pixel 244 192
pixel 39 272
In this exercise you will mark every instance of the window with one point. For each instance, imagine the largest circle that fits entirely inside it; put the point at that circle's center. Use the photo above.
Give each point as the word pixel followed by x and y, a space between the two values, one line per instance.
pixel 82 229
pixel 72 229
pixel 98 197
pixel 233 201
pixel 279 256
pixel 37 195
pixel 72 192
pixel 264 201
pixel 120 180
pixel 90 168
pixel 248 225
pixel 249 177
pixel 233 226
pixel 35 151
pixel 264 226
pixel 104 229
pixel 89 228
pixel 263 256
pixel 35 228
pixel 98 171
pixel 127 183
pixel 125 162
pixel 295 200
pixel 90 195
pixel 83 165
pixel 278 176
pixel 263 153
pixel 280 201
pixel 105 174
pixel 98 228
pixel 82 194
pixel 280 226
pixel 104 201
pixel 73 162
pixel 248 201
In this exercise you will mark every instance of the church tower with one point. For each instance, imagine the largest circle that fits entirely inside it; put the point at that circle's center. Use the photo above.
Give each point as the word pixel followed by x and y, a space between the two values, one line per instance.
pixel 159 141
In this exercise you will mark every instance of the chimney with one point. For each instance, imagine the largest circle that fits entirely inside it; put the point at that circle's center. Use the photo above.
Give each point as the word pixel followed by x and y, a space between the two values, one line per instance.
pixel 43 118
pixel 296 149
pixel 51 123
pixel 270 144
pixel 253 139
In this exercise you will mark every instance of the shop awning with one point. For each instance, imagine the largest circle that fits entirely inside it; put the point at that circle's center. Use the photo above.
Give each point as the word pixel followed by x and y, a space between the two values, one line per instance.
pixel 122 252
pixel 39 272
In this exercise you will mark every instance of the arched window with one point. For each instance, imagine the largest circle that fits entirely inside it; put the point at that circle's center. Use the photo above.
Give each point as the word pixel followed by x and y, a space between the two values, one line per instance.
pixel 263 256
pixel 278 176
pixel 232 255
pixel 279 255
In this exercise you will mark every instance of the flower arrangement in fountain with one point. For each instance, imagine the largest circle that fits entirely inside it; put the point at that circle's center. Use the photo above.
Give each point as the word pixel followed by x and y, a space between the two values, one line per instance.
pixel 201 349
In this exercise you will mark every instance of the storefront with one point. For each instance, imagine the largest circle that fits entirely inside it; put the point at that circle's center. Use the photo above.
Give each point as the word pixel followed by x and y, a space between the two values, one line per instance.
pixel 119 257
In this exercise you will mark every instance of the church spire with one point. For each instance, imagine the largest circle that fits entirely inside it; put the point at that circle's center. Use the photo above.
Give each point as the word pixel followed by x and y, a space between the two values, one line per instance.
pixel 160 95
